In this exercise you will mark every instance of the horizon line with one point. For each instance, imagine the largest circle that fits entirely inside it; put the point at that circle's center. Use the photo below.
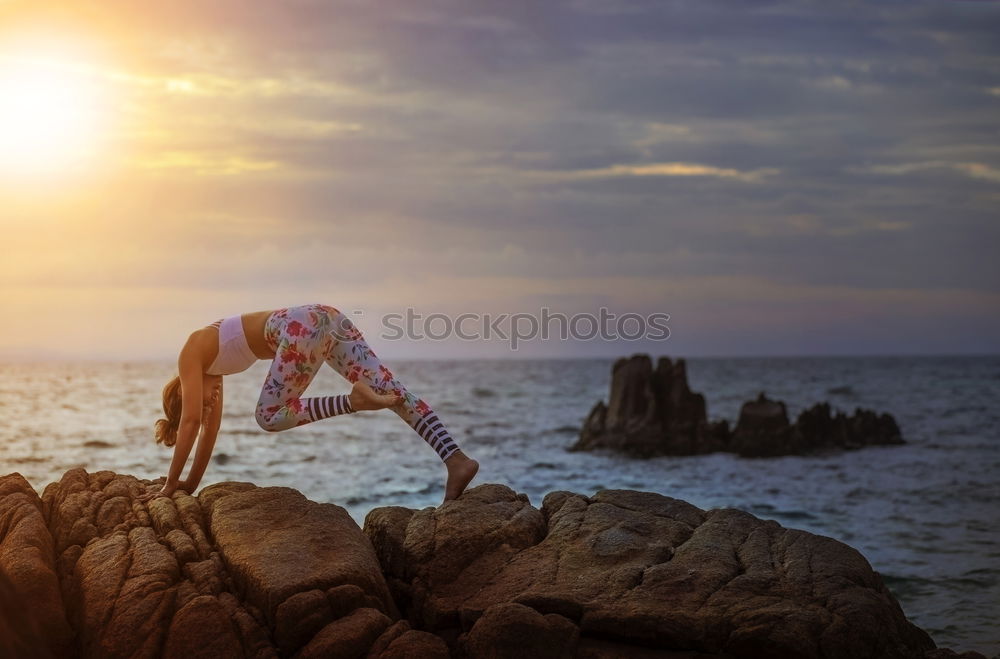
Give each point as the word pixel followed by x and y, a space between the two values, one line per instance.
pixel 93 360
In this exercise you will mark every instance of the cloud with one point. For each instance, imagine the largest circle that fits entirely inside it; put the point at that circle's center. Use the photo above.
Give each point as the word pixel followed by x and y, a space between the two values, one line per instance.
pixel 660 169
pixel 200 164
pixel 975 170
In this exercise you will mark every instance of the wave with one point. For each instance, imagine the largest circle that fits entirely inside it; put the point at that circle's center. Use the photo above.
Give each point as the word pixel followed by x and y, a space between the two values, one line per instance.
pixel 28 459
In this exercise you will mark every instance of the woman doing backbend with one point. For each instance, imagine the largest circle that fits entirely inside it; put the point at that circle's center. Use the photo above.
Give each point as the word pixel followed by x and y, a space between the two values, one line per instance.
pixel 297 340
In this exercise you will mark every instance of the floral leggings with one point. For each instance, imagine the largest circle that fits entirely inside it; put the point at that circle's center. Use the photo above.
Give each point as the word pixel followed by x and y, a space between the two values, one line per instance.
pixel 305 336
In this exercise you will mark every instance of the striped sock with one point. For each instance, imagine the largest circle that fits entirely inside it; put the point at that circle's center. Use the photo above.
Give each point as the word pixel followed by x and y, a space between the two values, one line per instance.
pixel 322 407
pixel 435 434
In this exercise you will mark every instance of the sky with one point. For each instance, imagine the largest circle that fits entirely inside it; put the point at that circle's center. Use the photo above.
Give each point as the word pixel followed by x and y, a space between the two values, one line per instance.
pixel 779 178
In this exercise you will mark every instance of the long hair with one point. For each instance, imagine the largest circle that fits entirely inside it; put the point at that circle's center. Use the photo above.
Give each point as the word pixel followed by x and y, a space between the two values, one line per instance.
pixel 165 430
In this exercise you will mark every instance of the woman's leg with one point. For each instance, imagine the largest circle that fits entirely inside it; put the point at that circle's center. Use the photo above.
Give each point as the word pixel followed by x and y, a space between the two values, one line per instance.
pixel 300 338
pixel 351 356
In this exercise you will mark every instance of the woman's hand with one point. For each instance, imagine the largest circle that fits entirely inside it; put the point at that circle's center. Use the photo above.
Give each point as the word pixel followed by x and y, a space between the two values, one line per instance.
pixel 149 496
pixel 166 491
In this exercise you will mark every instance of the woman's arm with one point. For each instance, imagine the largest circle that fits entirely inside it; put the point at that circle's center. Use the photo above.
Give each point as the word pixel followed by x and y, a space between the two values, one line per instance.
pixel 206 443
pixel 189 369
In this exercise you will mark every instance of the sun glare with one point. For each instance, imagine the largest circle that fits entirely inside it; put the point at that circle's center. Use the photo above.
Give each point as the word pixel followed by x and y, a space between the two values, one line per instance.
pixel 50 114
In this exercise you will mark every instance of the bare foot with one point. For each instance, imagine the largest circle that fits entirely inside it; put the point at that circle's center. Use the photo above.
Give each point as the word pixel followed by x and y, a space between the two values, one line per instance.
pixel 461 470
pixel 364 397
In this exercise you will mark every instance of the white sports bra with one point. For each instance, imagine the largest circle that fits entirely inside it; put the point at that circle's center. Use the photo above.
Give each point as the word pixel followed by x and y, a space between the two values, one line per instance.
pixel 234 351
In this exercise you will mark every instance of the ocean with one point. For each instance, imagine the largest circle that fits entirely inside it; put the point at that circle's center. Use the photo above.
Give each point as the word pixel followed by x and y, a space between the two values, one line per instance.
pixel 925 515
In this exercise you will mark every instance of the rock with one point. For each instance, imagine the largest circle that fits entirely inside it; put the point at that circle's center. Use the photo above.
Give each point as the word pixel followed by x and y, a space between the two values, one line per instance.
pixel 126 592
pixel 349 637
pixel 651 412
pixel 415 645
pixel 478 520
pixel 951 654
pixel 239 571
pixel 33 621
pixel 683 412
pixel 654 412
pixel 639 569
pixel 598 649
pixel 401 642
pixel 243 571
pixel 509 631
pixel 821 430
pixel 216 634
pixel 276 543
pixel 763 429
pixel 385 532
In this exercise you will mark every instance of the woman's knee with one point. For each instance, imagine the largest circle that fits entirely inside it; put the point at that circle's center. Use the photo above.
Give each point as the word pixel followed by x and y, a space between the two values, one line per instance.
pixel 341 328
pixel 268 422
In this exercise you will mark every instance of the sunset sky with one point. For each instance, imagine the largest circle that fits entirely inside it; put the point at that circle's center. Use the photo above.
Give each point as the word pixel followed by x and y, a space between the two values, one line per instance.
pixel 782 178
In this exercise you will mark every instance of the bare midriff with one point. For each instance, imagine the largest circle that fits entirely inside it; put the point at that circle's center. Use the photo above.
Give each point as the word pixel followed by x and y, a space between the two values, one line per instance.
pixel 253 329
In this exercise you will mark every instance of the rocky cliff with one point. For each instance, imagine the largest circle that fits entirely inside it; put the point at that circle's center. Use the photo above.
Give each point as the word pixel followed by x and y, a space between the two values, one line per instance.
pixel 86 570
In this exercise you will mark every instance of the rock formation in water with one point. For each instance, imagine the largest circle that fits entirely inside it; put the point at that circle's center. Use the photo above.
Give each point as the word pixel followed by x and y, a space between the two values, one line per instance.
pixel 246 571
pixel 763 429
pixel 653 412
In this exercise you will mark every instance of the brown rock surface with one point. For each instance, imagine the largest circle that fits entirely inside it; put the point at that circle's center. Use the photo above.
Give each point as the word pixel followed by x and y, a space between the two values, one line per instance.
pixel 276 543
pixel 32 617
pixel 242 571
pixel 514 630
pixel 640 569
pixel 487 526
pixel 239 571
pixel 401 642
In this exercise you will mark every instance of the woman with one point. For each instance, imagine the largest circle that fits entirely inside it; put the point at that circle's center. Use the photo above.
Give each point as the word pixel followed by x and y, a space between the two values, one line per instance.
pixel 297 340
